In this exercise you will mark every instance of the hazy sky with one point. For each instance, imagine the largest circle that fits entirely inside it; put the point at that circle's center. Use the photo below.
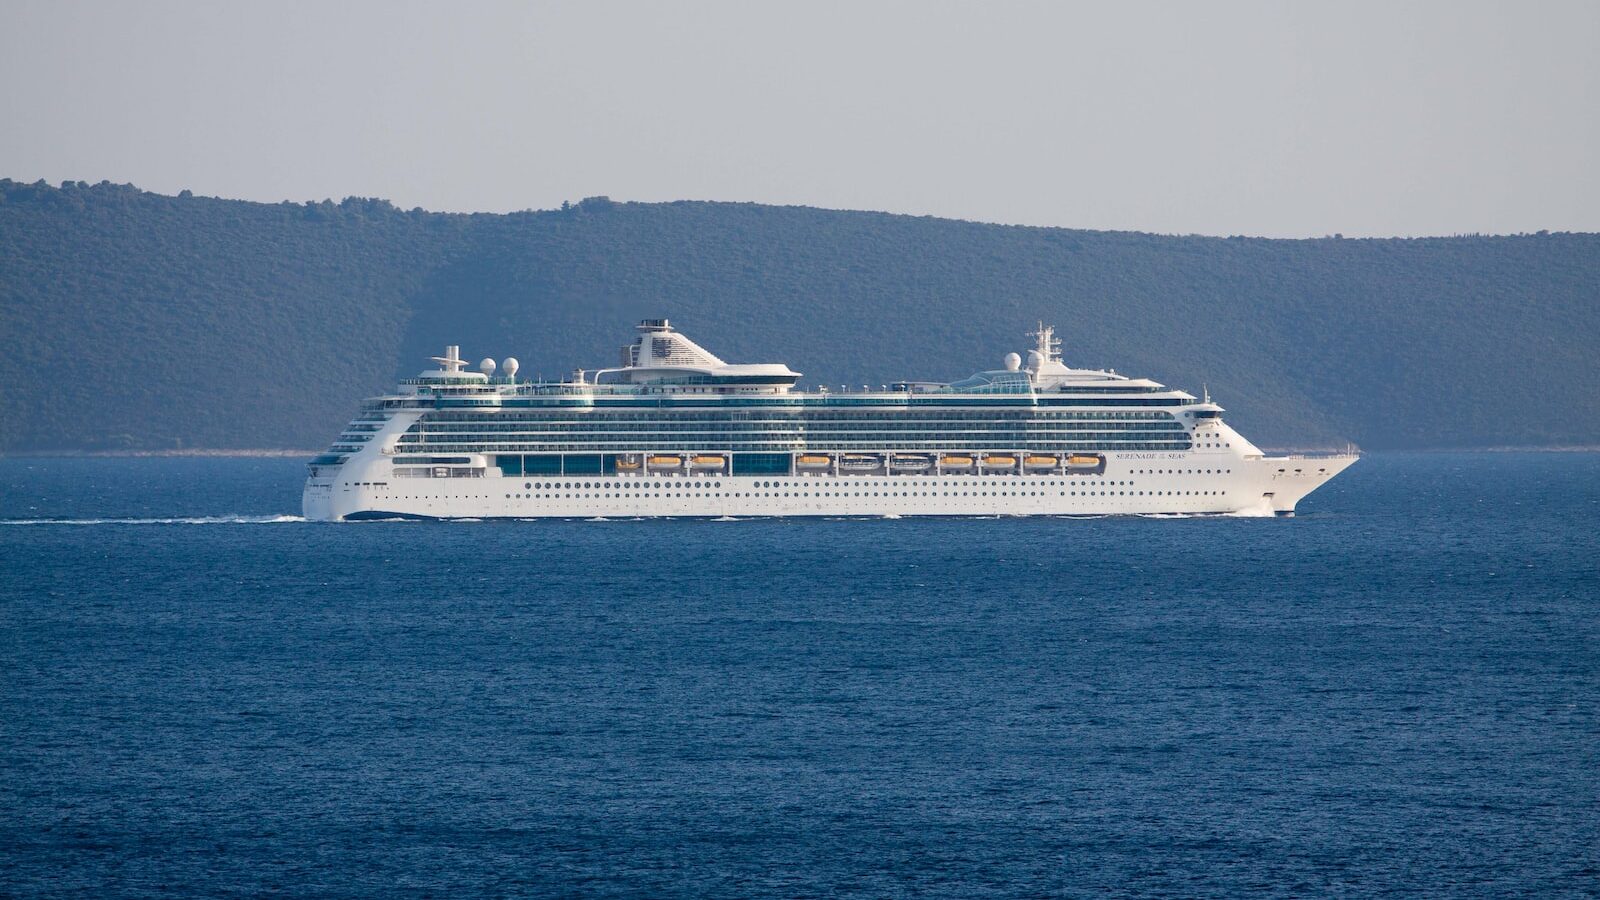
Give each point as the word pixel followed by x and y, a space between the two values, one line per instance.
pixel 1273 118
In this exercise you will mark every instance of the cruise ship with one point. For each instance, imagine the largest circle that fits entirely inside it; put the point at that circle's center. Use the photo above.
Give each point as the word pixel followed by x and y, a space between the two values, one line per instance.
pixel 673 430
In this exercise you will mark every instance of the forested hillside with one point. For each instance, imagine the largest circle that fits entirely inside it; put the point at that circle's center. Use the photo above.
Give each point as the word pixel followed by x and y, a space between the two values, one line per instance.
pixel 138 321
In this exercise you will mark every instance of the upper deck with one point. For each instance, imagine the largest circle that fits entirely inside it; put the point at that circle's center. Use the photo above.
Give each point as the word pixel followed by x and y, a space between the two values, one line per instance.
pixel 662 368
pixel 672 395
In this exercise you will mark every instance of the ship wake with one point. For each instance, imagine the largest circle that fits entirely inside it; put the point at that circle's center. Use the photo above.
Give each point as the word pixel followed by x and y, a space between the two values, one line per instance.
pixel 177 520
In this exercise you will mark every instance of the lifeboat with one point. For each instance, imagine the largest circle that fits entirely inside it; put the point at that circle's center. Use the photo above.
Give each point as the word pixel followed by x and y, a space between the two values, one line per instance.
pixel 628 464
pixel 707 463
pixel 956 463
pixel 859 462
pixel 811 462
pixel 1037 463
pixel 1079 461
pixel 665 463
pixel 999 462
pixel 909 462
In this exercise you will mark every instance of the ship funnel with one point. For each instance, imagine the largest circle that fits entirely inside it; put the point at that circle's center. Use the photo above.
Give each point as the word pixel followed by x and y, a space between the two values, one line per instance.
pixel 451 361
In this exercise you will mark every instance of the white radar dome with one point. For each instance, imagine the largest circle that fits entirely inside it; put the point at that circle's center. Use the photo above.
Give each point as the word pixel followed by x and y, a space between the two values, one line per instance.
pixel 509 367
pixel 1035 360
pixel 486 366
pixel 1013 362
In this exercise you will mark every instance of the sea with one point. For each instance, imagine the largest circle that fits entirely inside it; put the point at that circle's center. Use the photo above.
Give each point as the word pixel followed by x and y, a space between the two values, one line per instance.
pixel 1395 693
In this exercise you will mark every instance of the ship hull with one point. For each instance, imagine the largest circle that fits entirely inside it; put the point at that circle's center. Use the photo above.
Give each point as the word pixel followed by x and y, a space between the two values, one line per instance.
pixel 1177 484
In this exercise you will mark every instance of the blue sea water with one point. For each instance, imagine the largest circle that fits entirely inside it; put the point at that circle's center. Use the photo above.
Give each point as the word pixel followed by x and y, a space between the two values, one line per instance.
pixel 1395 692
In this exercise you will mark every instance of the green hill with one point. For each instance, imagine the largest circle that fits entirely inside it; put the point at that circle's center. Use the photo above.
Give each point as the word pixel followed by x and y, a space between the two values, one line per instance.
pixel 134 320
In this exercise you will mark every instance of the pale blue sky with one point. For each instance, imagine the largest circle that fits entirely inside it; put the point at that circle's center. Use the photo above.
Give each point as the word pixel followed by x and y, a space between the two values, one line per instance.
pixel 1270 118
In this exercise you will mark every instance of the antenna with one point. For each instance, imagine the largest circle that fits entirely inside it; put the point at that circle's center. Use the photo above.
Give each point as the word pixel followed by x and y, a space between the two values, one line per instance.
pixel 1048 345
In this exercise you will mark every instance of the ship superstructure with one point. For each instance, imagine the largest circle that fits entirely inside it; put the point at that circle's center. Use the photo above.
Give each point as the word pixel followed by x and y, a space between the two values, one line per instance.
pixel 675 431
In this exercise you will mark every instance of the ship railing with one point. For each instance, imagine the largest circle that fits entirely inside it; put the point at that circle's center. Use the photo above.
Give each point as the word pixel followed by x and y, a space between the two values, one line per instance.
pixel 1322 454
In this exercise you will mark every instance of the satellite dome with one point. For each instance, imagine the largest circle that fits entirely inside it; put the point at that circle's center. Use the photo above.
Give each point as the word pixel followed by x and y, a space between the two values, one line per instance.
pixel 510 367
pixel 486 366
pixel 1035 360
pixel 1013 362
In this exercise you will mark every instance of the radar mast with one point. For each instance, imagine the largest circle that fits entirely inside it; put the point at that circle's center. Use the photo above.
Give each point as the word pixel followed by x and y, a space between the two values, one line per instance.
pixel 1048 345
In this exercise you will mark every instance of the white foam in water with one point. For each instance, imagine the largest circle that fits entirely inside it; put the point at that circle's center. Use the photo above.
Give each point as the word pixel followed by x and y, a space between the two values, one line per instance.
pixel 185 520
pixel 725 519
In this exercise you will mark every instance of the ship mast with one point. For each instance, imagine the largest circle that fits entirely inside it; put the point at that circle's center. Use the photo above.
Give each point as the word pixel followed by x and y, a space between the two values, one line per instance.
pixel 1048 345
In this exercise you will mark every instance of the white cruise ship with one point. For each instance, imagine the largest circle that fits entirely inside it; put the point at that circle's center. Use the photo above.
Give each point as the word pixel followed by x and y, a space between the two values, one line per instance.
pixel 675 431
